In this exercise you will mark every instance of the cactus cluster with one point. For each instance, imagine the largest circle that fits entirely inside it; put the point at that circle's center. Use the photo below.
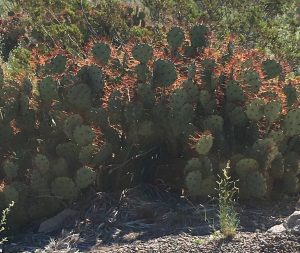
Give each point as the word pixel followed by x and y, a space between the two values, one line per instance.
pixel 61 130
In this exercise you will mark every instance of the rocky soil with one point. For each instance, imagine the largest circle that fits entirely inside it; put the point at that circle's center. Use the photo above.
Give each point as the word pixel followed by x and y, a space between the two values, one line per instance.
pixel 148 219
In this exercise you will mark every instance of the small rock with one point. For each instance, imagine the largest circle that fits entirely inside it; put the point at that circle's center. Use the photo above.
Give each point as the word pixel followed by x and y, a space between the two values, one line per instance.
pixel 292 223
pixel 277 229
pixel 57 222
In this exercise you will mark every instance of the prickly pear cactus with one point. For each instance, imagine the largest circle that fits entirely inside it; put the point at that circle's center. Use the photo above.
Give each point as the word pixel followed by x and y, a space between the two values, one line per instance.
pixel 271 69
pixel 83 135
pixel 164 73
pixel 48 89
pixel 204 144
pixel 142 52
pixel 80 97
pixel 85 177
pixel 71 123
pixel 10 169
pixel 41 163
pixel 64 188
pixel 255 110
pixel 175 38
pixel 292 122
pixel 101 51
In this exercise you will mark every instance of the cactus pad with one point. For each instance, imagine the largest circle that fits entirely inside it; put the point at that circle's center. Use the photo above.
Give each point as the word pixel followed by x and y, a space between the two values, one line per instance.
pixel 64 188
pixel 234 92
pixel 41 163
pixel 292 122
pixel 142 53
pixel 272 111
pixel 164 73
pixel 198 36
pixel 175 37
pixel 255 110
pixel 252 79
pixel 48 89
pixel 71 123
pixel 10 169
pixel 57 64
pixel 80 97
pixel 271 69
pixel 101 51
pixel 245 166
pixel 85 176
pixel 83 135
pixel 204 144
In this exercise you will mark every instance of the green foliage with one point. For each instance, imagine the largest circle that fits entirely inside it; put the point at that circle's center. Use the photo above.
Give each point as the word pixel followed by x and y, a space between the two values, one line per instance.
pixel 5 213
pixel 81 123
pixel 227 193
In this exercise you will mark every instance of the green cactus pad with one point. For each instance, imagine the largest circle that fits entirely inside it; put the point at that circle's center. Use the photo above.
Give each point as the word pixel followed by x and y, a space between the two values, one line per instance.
pixel 68 150
pixel 101 51
pixel 85 176
pixel 292 163
pixel 57 64
pixel 277 167
pixel 204 144
pixel 291 94
pixel 93 76
pixel 291 183
pixel 272 111
pixel 164 73
pixel 80 97
pixel 198 36
pixel 178 98
pixel 41 163
pixel 71 123
pixel 48 89
pixel 142 53
pixel 257 184
pixel 252 80
pixel 38 182
pixel 64 188
pixel 59 167
pixel 10 194
pixel 245 166
pixel 234 92
pixel 83 135
pixel 271 69
pixel 175 37
pixel 87 154
pixel 255 110
pixel 143 73
pixel 10 169
pixel 214 123
pixel 204 97
pixel 238 117
pixel 193 164
pixel 291 124
pixel 104 154
pixel 192 90
pixel 193 183
pixel 146 95
pixel 27 86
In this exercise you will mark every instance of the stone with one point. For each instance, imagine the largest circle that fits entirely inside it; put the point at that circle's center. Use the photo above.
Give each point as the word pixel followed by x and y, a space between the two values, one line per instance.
pixel 277 229
pixel 292 223
pixel 57 222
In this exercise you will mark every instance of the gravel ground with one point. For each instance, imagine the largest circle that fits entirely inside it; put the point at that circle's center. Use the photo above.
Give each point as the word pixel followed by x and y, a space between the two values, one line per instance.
pixel 243 243
pixel 146 219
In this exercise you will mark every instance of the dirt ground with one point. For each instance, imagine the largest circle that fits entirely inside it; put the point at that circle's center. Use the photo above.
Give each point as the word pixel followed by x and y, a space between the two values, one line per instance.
pixel 148 219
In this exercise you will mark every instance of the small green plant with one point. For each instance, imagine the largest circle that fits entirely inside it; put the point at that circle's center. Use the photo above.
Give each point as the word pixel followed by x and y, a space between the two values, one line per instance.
pixel 5 212
pixel 227 214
